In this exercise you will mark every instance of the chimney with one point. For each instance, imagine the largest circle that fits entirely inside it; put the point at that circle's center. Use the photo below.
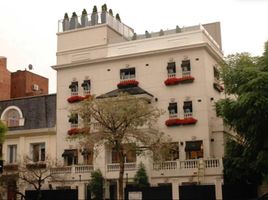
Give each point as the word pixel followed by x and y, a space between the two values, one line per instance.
pixel 3 62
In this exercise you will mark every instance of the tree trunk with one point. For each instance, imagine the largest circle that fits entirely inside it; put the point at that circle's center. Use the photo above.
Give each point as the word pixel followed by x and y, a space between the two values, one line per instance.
pixel 121 174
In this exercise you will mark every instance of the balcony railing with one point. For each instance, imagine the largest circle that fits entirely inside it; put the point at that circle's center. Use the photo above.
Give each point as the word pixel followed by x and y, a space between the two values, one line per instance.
pixel 171 75
pixel 116 167
pixel 127 77
pixel 186 73
pixel 187 164
pixel 72 169
pixel 187 114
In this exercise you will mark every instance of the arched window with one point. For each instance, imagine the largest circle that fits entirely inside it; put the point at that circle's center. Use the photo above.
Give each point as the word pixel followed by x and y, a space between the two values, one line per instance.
pixel 12 116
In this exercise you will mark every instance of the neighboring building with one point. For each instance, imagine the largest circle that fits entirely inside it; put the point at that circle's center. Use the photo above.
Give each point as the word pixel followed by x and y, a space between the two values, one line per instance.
pixel 4 79
pixel 20 83
pixel 177 69
pixel 25 83
pixel 31 123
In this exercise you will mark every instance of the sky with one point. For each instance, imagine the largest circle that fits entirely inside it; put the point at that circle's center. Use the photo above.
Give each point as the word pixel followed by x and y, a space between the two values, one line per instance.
pixel 28 28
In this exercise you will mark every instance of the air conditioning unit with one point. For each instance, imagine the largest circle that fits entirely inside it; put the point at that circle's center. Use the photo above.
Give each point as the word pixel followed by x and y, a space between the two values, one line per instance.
pixel 35 87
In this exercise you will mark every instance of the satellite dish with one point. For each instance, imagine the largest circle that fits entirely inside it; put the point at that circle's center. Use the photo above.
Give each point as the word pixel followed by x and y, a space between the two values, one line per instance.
pixel 30 66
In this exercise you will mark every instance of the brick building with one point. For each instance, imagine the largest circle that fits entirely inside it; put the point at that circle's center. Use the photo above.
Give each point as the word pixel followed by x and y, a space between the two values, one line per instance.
pixel 5 77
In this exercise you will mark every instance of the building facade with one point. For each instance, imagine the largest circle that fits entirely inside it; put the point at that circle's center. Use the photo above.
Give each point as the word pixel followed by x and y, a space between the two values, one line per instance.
pixel 178 69
pixel 4 79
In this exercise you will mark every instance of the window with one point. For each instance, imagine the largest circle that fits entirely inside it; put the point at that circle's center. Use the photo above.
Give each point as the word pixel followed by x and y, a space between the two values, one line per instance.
pixel 86 87
pixel 171 69
pixel 130 156
pixel 70 157
pixel 173 152
pixel 74 88
pixel 187 108
pixel 38 152
pixel 87 156
pixel 12 118
pixel 12 153
pixel 186 68
pixel 194 149
pixel 74 120
pixel 126 74
pixel 173 109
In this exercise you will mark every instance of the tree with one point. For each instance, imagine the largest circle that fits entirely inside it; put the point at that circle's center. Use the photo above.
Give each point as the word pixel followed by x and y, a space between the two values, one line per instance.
pixel 121 120
pixel 36 174
pixel 141 178
pixel 96 184
pixel 245 111
pixel 3 130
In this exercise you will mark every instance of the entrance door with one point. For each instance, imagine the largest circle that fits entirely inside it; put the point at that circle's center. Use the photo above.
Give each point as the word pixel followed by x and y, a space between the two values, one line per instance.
pixel 113 191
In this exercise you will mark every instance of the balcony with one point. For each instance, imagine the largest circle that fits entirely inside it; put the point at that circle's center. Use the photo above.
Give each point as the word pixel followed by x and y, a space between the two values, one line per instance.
pixel 115 167
pixel 212 166
pixel 75 169
pixel 11 168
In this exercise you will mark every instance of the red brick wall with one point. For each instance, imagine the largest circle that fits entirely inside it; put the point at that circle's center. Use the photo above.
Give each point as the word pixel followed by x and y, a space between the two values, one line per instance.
pixel 4 79
pixel 22 84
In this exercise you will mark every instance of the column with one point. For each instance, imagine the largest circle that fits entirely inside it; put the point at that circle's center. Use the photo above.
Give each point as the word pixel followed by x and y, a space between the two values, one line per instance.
pixel 175 189
pixel 218 188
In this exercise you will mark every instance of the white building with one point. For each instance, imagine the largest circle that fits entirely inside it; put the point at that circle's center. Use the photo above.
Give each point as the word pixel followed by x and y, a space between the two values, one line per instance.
pixel 176 68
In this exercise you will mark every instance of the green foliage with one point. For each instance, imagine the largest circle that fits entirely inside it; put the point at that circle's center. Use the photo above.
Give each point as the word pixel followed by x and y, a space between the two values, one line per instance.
pixel 3 130
pixel 111 12
pixel 84 12
pixel 246 112
pixel 74 15
pixel 96 184
pixel 95 10
pixel 141 178
pixel 66 16
pixel 104 8
pixel 117 17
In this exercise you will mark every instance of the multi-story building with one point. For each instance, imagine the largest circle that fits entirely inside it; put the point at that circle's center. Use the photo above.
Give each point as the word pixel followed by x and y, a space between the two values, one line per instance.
pixel 176 69
pixel 30 115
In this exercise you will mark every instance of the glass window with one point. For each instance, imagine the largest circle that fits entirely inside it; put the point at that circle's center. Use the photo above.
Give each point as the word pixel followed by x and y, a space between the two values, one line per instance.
pixel 186 65
pixel 12 153
pixel 171 68
pixel 74 88
pixel 129 73
pixel 38 152
pixel 70 157
pixel 173 108
pixel 87 156
pixel 173 151
pixel 86 86
pixel 194 149
pixel 74 120
pixel 216 73
pixel 130 156
pixel 187 106
pixel 12 118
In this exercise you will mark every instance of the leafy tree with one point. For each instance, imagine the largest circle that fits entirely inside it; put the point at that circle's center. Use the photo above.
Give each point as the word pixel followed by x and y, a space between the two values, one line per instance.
pixel 96 184
pixel 3 130
pixel 245 111
pixel 118 121
pixel 141 178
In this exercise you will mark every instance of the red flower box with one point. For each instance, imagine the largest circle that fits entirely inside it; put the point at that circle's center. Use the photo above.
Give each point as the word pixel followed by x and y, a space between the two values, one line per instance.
pixel 74 99
pixel 75 131
pixel 175 81
pixel 177 121
pixel 128 83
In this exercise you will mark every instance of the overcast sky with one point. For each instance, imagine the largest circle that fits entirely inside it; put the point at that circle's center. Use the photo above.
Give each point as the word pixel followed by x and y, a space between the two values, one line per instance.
pixel 28 27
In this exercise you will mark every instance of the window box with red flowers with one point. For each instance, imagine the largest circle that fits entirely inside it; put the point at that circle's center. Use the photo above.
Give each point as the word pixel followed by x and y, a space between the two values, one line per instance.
pixel 127 84
pixel 11 167
pixel 177 121
pixel 182 80
pixel 76 131
pixel 74 99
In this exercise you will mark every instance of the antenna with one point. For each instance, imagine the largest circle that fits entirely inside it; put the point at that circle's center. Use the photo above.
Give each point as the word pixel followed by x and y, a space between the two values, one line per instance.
pixel 30 67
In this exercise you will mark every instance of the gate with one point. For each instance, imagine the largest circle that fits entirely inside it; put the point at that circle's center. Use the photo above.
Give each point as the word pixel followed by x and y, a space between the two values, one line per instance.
pixel 239 192
pixel 197 192
pixel 67 194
